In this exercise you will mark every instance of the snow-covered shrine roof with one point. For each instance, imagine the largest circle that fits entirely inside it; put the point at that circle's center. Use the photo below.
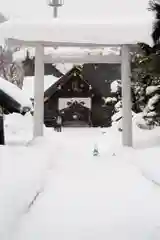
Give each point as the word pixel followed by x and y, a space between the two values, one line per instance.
pixel 15 93
pixel 77 33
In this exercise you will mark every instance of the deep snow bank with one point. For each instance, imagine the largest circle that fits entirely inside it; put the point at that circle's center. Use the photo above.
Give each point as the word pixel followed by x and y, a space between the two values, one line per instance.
pixel 23 167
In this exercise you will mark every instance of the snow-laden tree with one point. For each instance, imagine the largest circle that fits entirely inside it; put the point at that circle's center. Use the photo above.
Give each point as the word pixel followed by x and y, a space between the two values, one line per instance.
pixel 154 6
pixel 151 113
pixel 116 89
pixel 116 94
pixel 144 75
pixel 146 85
pixel 11 70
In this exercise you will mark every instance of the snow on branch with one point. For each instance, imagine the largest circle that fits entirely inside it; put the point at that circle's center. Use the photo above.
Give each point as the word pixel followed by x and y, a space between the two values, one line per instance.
pixel 115 86
pixel 152 89
pixel 152 101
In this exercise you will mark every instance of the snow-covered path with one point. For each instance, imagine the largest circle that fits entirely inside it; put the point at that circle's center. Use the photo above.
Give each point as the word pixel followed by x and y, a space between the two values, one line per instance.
pixel 88 197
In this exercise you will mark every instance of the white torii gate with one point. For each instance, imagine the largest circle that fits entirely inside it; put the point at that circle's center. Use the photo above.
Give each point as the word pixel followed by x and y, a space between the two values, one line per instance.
pixel 65 34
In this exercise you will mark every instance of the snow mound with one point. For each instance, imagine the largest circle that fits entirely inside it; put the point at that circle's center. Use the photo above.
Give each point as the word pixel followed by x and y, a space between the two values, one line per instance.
pixel 89 197
pixel 22 174
pixel 15 93
pixel 18 127
pixel 149 163
pixel 28 85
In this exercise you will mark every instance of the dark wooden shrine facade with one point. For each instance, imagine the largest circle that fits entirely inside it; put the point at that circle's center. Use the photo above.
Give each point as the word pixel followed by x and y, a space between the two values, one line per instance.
pixel 78 97
pixel 29 67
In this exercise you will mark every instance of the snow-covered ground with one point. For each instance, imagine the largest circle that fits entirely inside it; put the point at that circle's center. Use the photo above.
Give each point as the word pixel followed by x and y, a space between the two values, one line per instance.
pixel 114 195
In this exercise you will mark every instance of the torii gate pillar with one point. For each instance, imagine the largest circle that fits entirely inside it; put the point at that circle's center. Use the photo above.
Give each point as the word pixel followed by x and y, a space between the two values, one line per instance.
pixel 38 92
pixel 126 97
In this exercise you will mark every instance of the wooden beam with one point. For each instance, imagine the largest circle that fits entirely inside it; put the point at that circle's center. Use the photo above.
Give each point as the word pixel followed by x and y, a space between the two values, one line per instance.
pixel 126 97
pixel 83 58
pixel 23 43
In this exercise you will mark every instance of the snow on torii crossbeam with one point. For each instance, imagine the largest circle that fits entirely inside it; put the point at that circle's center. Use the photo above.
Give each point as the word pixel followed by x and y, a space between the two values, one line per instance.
pixel 61 33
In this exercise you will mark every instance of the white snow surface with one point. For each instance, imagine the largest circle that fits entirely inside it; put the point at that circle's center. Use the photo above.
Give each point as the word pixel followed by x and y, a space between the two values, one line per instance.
pixel 14 92
pixel 28 85
pixel 18 129
pixel 66 32
pixel 115 86
pixel 64 67
pixel 113 196
pixel 110 100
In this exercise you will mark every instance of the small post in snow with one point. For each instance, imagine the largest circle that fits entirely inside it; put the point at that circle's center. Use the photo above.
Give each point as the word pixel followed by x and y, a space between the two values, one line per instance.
pixel 95 151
